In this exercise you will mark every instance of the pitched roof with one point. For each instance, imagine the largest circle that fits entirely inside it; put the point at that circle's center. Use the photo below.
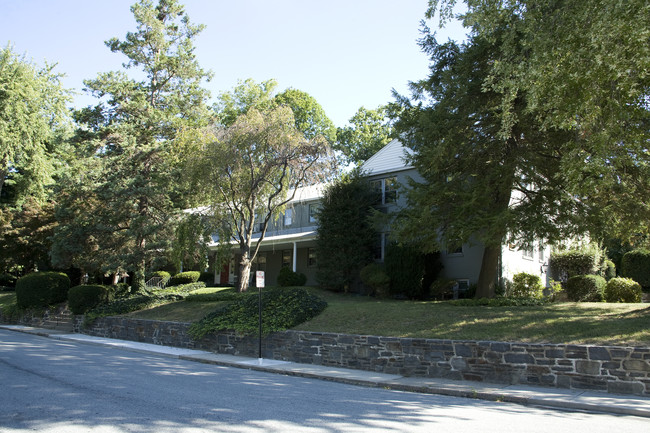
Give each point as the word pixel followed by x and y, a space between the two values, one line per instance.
pixel 391 157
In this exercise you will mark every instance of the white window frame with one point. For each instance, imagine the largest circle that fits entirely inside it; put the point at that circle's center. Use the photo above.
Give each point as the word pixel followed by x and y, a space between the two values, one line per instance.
pixel 313 210
pixel 288 217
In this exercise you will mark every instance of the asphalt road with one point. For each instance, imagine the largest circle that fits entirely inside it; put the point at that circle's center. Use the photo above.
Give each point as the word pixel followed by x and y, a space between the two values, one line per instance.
pixel 48 385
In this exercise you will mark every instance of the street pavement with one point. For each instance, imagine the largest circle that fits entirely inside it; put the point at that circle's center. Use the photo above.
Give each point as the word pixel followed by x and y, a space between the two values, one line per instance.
pixel 565 399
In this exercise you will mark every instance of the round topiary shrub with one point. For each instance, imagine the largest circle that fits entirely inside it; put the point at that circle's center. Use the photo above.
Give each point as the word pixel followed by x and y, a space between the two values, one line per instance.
pixel 375 278
pixel 636 265
pixel 41 289
pixel 184 278
pixel 525 285
pixel 288 278
pixel 83 298
pixel 585 288
pixel 623 290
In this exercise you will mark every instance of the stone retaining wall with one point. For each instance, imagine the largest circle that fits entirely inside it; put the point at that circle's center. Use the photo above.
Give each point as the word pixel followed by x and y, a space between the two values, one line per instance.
pixel 621 370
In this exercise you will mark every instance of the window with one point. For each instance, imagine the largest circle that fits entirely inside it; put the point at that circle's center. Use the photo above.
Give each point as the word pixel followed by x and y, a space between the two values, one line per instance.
pixel 390 190
pixel 312 257
pixel 286 259
pixel 288 217
pixel 313 213
pixel 458 251
pixel 528 252
pixel 541 252
pixel 385 190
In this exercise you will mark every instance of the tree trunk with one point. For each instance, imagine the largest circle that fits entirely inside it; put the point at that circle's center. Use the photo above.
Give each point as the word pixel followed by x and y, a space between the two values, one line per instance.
pixel 3 174
pixel 244 273
pixel 489 270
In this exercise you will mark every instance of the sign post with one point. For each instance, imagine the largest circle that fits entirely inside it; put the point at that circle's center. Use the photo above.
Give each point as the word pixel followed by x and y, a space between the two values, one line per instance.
pixel 259 282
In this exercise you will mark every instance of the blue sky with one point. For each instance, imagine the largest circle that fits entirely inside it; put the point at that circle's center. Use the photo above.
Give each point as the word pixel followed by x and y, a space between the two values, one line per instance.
pixel 344 53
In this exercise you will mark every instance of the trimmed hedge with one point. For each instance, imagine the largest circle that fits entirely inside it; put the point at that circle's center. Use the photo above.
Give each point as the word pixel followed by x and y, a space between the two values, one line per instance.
pixel 375 278
pixel 288 278
pixel 585 288
pixel 188 277
pixel 636 265
pixel 566 264
pixel 281 309
pixel 404 265
pixel 83 298
pixel 41 289
pixel 623 290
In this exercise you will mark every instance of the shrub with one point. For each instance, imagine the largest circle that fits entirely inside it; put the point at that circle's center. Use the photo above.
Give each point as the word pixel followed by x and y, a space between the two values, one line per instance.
pixel 41 289
pixel 623 290
pixel 442 288
pixel 566 264
pixel 636 265
pixel 289 278
pixel 281 309
pixel 404 266
pixel 163 275
pixel 609 270
pixel 83 298
pixel 8 280
pixel 184 278
pixel 375 278
pixel 585 288
pixel 499 301
pixel 207 278
pixel 525 285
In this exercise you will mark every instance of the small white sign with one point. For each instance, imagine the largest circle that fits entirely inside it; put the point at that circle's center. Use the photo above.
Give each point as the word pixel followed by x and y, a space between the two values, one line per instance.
pixel 259 277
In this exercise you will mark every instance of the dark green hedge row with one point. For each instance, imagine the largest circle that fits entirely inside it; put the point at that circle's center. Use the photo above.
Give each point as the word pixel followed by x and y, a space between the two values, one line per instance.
pixel 83 298
pixel 40 289
pixel 636 265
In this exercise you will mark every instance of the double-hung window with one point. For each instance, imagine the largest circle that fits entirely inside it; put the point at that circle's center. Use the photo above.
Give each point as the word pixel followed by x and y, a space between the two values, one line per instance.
pixel 385 190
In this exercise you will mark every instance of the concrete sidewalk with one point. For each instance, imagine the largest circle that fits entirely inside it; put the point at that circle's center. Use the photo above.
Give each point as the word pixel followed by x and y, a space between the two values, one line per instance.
pixel 566 399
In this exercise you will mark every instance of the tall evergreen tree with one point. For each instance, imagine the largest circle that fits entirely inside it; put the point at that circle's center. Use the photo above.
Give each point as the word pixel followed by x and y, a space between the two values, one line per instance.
pixel 133 127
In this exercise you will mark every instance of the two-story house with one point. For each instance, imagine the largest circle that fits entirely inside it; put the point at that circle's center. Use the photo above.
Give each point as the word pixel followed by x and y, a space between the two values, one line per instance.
pixel 291 240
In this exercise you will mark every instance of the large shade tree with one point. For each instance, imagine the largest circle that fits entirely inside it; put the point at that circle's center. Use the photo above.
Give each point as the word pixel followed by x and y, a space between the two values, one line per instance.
pixel 132 130
pixel 33 116
pixel 582 67
pixel 368 132
pixel 249 171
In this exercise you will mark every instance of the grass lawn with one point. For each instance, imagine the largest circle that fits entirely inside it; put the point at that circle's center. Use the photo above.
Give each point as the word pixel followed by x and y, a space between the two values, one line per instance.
pixel 577 323
pixel 616 324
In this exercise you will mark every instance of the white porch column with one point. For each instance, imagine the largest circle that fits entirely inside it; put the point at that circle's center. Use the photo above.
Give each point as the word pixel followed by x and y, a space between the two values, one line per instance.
pixel 295 253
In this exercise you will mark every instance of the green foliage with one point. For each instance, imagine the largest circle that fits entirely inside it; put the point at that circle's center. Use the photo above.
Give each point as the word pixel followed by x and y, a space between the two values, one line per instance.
pixel 370 131
pixel 140 301
pixel 566 264
pixel 609 270
pixel 623 290
pixel 255 165
pixel 83 298
pixel 281 309
pixel 342 252
pixel 585 288
pixel 40 289
pixel 8 280
pixel 184 278
pixel 164 276
pixel 636 265
pixel 374 277
pixel 499 302
pixel 190 246
pixel 405 267
pixel 33 113
pixel 287 278
pixel 128 140
pixel 207 278
pixel 525 285
pixel 220 296
pixel 442 288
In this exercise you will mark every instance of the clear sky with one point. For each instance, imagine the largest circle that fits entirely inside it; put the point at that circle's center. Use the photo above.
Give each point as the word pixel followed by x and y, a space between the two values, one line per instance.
pixel 344 53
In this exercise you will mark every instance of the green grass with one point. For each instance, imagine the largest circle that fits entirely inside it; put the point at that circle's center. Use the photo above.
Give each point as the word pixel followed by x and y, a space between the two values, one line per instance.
pixel 576 323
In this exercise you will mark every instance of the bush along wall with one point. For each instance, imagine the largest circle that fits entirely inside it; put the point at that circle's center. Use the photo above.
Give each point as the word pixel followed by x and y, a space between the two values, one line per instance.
pixel 40 289
pixel 623 290
pixel 585 288
pixel 184 278
pixel 83 298
pixel 636 265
